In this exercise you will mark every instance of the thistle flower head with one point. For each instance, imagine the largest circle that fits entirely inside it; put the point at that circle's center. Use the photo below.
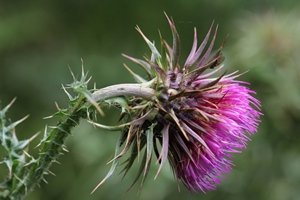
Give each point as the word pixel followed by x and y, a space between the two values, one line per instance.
pixel 197 119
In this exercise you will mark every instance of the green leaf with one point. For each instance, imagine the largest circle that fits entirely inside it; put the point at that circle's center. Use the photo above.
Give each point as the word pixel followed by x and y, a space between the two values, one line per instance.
pixel 165 148
pixel 112 168
pixel 146 66
pixel 121 101
pixel 110 128
pixel 176 43
pixel 133 155
pixel 136 77
pixel 149 147
pixel 141 169
pixel 155 53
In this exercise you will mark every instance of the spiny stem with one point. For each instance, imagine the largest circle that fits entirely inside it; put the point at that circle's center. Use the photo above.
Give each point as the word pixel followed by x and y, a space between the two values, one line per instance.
pixel 50 150
pixel 52 146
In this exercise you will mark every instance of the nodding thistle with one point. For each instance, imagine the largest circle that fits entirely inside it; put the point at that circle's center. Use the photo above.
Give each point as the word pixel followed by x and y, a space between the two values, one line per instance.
pixel 185 113
pixel 200 117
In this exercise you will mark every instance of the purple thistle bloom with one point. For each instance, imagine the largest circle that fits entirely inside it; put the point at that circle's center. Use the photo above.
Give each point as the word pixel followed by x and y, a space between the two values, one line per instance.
pixel 199 118
pixel 229 116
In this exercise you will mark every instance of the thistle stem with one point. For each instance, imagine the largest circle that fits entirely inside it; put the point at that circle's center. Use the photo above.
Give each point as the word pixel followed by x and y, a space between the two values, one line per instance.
pixel 124 90
pixel 52 145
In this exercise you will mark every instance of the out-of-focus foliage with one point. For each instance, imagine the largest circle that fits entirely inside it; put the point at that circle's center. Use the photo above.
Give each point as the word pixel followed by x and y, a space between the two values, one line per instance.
pixel 269 47
pixel 38 40
pixel 270 44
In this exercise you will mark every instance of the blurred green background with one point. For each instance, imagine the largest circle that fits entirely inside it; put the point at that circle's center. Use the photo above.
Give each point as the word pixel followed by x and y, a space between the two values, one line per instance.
pixel 40 39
